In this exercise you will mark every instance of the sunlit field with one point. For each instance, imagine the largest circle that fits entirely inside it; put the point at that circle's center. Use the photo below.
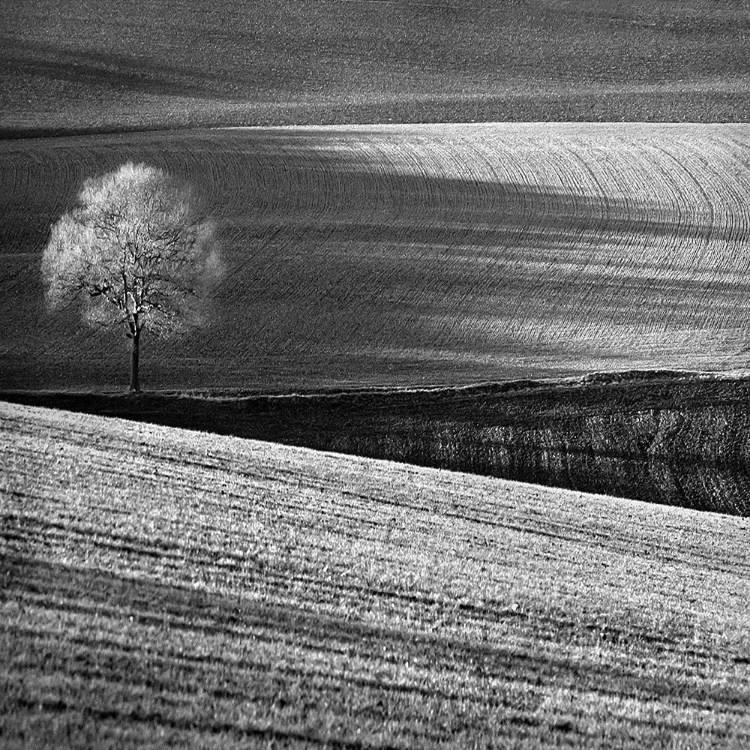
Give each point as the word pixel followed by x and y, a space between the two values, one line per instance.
pixel 166 587
pixel 411 255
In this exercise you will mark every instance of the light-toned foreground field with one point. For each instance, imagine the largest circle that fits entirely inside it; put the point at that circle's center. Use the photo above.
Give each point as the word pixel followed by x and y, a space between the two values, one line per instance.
pixel 412 254
pixel 164 587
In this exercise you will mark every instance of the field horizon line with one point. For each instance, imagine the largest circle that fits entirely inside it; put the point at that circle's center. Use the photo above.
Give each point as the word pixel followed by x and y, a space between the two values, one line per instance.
pixel 595 377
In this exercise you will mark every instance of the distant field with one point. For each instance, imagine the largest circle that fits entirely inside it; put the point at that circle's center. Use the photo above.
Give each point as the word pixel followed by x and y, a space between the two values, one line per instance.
pixel 88 64
pixel 410 255
pixel 167 587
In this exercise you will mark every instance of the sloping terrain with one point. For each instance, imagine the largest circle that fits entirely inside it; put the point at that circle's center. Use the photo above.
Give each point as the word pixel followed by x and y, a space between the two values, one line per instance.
pixel 670 438
pixel 166 587
pixel 88 64
pixel 410 255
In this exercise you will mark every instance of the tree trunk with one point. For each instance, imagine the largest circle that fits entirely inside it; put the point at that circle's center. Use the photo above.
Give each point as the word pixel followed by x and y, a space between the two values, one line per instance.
pixel 135 385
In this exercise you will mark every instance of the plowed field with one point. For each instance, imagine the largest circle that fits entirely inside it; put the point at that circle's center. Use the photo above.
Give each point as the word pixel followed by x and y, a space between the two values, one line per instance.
pixel 167 587
pixel 412 254
pixel 85 64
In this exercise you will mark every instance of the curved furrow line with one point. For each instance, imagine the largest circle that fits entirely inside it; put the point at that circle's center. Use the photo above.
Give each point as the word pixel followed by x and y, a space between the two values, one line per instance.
pixel 403 172
pixel 376 236
pixel 213 171
pixel 17 235
pixel 619 250
pixel 573 206
pixel 472 281
pixel 707 171
pixel 490 264
pixel 728 173
pixel 500 209
pixel 589 240
pixel 521 207
pixel 652 250
pixel 613 241
pixel 733 262
pixel 596 283
pixel 658 250
pixel 719 249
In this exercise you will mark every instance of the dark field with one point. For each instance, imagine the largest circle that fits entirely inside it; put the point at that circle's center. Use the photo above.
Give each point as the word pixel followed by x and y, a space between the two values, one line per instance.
pixel 91 65
pixel 165 588
pixel 664 438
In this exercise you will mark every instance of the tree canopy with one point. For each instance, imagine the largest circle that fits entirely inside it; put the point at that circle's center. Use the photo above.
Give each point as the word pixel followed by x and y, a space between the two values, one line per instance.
pixel 136 252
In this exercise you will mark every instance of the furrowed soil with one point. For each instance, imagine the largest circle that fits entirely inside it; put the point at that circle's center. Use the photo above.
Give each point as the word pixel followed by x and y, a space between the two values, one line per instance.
pixel 91 64
pixel 165 587
pixel 410 255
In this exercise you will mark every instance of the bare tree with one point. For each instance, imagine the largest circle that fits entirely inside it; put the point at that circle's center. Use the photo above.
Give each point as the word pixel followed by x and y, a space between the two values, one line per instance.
pixel 135 253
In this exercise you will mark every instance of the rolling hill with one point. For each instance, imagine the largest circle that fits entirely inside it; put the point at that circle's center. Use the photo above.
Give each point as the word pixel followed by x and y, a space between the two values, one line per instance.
pixel 166 587
pixel 412 255
pixel 89 64
pixel 670 438
pixel 162 586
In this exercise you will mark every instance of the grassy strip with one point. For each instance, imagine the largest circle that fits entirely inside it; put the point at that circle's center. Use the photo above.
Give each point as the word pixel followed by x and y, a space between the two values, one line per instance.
pixel 660 437
pixel 168 587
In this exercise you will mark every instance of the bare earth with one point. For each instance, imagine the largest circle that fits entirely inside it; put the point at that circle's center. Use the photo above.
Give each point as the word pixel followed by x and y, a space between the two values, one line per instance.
pixel 86 64
pixel 411 254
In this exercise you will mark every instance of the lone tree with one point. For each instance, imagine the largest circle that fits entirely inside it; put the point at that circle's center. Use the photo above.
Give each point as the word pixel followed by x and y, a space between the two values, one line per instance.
pixel 135 253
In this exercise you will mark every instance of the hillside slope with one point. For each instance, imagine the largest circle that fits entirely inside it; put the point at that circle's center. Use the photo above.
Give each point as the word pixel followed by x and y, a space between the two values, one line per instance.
pixel 406 255
pixel 86 64
pixel 671 438
pixel 169 587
